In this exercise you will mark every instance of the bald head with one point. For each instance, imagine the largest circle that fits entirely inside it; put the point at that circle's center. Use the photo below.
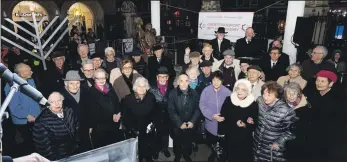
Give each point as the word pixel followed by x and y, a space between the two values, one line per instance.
pixel 277 44
pixel 249 33
pixel 183 81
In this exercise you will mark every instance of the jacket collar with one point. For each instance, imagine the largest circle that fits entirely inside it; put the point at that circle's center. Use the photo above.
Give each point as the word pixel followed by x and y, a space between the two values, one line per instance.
pixel 179 91
pixel 242 103
pixel 303 102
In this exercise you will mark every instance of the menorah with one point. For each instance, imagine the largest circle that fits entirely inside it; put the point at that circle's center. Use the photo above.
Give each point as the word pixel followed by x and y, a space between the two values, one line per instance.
pixel 40 46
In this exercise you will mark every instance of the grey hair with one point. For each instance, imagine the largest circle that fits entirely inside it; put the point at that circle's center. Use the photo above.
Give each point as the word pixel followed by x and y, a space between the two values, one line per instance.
pixel 192 68
pixel 110 49
pixel 292 86
pixel 324 50
pixel 295 65
pixel 18 66
pixel 100 70
pixel 141 80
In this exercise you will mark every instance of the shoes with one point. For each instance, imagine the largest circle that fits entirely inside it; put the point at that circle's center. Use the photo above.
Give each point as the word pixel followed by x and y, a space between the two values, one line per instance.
pixel 156 156
pixel 167 153
pixel 188 159
pixel 177 159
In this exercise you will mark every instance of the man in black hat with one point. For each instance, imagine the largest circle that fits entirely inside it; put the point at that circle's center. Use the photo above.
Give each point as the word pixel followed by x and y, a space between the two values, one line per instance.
pixel 205 76
pixel 97 60
pixel 55 72
pixel 139 63
pixel 247 46
pixel 158 60
pixel 220 43
pixel 161 89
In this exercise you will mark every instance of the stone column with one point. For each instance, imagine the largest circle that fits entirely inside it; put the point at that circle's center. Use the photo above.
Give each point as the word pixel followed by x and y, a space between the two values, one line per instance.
pixel 295 9
pixel 155 15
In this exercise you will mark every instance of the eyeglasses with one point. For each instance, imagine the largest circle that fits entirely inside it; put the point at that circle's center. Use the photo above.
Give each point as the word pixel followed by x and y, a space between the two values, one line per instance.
pixel 56 102
pixel 88 70
pixel 100 78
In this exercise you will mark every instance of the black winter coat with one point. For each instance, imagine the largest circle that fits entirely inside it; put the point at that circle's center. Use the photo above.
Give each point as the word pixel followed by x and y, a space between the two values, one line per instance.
pixel 183 108
pixel 55 138
pixel 80 110
pixel 102 108
pixel 162 104
pixel 53 79
pixel 273 128
pixel 154 65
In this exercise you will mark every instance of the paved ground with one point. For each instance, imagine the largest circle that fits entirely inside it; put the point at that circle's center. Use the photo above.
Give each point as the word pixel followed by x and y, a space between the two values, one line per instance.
pixel 201 155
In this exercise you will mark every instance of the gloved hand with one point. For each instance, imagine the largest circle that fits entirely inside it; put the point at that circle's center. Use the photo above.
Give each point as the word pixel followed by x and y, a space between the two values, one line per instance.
pixel 150 127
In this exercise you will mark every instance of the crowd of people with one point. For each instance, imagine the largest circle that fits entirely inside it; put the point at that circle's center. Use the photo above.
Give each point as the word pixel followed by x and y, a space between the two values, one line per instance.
pixel 243 109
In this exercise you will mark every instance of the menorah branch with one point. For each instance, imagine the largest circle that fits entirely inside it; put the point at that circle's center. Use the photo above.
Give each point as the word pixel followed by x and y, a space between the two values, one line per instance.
pixel 49 26
pixel 20 27
pixel 55 32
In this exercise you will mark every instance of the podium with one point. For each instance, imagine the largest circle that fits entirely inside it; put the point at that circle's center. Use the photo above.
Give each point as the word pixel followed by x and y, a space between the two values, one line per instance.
pixel 125 151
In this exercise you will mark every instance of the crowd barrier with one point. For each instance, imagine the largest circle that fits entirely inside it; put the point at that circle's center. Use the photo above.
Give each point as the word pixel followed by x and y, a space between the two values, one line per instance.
pixel 125 151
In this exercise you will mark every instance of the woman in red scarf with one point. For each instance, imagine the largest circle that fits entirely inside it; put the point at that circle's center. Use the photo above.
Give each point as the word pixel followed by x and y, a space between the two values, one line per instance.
pixel 104 112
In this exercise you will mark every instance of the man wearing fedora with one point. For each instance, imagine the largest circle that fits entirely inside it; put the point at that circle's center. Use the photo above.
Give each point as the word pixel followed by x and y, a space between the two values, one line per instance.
pixel 76 98
pixel 247 46
pixel 220 43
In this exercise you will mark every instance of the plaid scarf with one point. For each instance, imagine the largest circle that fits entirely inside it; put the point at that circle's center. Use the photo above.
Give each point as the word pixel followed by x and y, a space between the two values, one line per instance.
pixel 296 102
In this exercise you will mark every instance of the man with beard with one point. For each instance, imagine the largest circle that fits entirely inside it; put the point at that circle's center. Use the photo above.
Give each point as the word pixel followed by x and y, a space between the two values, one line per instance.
pixel 183 109
pixel 230 68
pixel 76 98
pixel 160 89
pixel 88 72
pixel 247 46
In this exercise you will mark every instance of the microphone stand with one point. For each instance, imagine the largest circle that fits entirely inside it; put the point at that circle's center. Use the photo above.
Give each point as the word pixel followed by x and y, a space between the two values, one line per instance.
pixel 3 115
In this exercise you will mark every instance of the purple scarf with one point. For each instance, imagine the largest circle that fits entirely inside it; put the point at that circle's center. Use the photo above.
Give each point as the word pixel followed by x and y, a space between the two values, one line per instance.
pixel 296 102
pixel 104 89
pixel 162 88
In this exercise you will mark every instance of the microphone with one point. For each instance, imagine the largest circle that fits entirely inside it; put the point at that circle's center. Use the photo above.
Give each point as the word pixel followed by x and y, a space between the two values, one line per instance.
pixel 24 87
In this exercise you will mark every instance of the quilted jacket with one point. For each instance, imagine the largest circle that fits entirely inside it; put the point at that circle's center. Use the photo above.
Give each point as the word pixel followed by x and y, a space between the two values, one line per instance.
pixel 274 124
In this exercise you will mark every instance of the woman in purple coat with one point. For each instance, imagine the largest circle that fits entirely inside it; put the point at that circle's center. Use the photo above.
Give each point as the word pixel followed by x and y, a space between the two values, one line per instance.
pixel 211 101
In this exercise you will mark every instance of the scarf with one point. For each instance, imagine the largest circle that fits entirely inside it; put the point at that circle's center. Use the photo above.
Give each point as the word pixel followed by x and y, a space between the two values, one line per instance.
pixel 76 96
pixel 128 81
pixel 193 83
pixel 104 89
pixel 162 88
pixel 296 102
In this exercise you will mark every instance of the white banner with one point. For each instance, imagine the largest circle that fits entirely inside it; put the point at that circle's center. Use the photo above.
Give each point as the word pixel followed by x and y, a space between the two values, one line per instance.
pixel 128 45
pixel 235 23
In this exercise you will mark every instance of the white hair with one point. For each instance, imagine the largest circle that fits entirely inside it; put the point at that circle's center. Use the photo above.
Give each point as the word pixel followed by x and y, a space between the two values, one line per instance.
pixel 18 66
pixel 324 50
pixel 192 68
pixel 247 83
pixel 109 49
pixel 50 96
pixel 140 80
pixel 56 58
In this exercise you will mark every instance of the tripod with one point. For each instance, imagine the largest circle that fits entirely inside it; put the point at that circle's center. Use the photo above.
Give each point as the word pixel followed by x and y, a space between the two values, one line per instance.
pixel 3 114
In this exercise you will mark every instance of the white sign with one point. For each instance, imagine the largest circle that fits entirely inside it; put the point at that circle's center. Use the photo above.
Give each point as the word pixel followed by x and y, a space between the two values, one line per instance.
pixel 128 45
pixel 37 14
pixel 235 23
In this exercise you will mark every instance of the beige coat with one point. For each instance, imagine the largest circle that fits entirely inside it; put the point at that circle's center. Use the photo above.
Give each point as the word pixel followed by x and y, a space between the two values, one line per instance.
pixel 256 90
pixel 236 65
pixel 119 84
pixel 283 79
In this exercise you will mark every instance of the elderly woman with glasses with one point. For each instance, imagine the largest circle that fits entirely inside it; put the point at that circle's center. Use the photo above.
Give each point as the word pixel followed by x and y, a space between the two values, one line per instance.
pixel 298 148
pixel 294 76
pixel 111 61
pixel 55 130
pixel 236 121
pixel 139 117
pixel 123 78
pixel 104 112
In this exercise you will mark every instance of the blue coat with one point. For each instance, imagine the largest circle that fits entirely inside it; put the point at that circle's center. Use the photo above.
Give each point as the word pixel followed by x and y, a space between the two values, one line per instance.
pixel 21 105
